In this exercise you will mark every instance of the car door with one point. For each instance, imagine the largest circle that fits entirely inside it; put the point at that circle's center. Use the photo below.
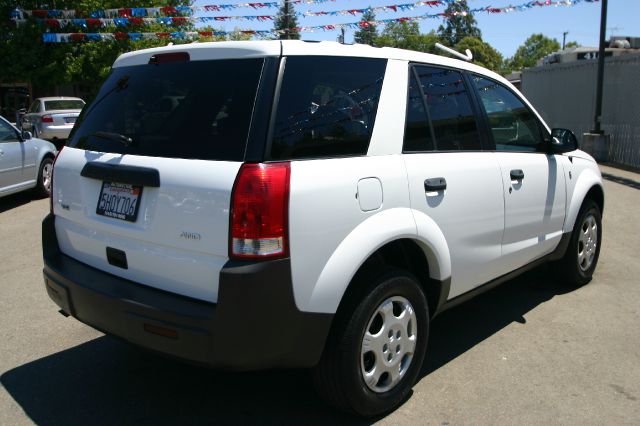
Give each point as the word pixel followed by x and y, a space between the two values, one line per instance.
pixel 30 118
pixel 533 179
pixel 11 157
pixel 451 180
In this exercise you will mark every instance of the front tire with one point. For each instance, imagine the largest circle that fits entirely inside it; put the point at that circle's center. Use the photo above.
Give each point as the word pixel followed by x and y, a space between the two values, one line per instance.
pixel 45 175
pixel 582 255
pixel 376 348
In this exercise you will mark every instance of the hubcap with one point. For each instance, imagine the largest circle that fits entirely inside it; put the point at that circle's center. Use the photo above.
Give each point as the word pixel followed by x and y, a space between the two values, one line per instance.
pixel 388 344
pixel 46 176
pixel 587 242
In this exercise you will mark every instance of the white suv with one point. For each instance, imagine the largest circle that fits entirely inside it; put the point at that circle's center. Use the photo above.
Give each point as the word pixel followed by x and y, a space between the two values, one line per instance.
pixel 252 205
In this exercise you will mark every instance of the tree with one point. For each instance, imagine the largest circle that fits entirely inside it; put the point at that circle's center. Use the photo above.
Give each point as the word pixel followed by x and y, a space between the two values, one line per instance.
pixel 367 32
pixel 406 35
pixel 286 22
pixel 483 54
pixel 536 47
pixel 571 44
pixel 460 24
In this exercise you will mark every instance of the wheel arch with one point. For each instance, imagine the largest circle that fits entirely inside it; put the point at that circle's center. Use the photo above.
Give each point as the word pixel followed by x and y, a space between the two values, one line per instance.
pixel 589 186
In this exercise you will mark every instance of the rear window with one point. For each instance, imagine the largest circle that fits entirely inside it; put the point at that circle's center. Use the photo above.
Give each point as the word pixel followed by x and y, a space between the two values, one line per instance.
pixel 63 104
pixel 327 107
pixel 194 110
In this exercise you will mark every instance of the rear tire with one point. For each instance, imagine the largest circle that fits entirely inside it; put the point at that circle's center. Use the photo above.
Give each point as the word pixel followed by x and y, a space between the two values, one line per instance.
pixel 581 258
pixel 45 175
pixel 377 346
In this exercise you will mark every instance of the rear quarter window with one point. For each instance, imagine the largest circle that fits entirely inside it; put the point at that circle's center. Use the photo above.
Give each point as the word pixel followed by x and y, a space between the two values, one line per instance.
pixel 327 107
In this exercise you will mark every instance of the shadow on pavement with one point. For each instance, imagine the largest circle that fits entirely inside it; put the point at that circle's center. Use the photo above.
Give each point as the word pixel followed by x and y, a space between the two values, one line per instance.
pixel 621 180
pixel 105 381
pixel 16 200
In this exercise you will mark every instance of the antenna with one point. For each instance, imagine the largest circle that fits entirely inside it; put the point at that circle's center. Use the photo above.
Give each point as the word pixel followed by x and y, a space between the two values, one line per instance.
pixel 468 57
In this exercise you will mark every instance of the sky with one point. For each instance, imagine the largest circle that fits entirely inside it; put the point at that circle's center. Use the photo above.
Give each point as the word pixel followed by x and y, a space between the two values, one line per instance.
pixel 504 31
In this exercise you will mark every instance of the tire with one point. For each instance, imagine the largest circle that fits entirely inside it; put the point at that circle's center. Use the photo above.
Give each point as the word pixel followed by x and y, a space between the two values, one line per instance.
pixel 44 177
pixel 361 338
pixel 581 258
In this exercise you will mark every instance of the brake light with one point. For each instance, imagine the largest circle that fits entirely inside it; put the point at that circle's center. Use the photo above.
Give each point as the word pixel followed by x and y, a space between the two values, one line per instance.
pixel 47 119
pixel 260 212
pixel 52 170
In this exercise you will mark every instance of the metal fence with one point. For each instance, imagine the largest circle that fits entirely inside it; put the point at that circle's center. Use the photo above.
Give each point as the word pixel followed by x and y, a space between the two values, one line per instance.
pixel 565 96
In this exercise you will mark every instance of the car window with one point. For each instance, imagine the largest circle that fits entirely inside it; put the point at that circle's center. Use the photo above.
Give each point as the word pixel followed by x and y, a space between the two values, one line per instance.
pixel 196 110
pixel 513 125
pixel 63 104
pixel 327 106
pixel 449 108
pixel 417 131
pixel 7 132
pixel 34 106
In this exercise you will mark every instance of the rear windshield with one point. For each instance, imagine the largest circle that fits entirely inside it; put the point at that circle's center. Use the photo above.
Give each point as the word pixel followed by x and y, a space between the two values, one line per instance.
pixel 327 107
pixel 194 110
pixel 63 104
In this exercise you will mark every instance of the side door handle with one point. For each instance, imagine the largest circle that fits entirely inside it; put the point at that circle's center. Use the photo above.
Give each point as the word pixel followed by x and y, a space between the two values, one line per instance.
pixel 517 174
pixel 435 184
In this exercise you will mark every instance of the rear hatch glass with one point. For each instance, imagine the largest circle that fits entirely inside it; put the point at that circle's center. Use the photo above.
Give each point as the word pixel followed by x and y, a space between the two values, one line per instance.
pixel 198 109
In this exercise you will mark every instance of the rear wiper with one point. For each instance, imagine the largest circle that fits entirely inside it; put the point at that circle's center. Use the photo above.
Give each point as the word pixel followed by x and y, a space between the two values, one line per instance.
pixel 116 137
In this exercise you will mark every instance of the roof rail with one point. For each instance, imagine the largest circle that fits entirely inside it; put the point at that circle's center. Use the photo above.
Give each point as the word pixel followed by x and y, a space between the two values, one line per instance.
pixel 468 57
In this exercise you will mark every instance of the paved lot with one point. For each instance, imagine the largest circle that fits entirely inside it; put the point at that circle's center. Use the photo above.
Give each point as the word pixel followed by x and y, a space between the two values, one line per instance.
pixel 529 352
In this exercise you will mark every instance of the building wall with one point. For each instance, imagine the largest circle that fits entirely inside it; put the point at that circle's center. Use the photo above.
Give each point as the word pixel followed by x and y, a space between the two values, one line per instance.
pixel 565 95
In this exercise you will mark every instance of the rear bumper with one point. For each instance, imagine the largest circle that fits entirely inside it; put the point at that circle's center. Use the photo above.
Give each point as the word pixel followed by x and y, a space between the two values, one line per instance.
pixel 254 325
pixel 55 132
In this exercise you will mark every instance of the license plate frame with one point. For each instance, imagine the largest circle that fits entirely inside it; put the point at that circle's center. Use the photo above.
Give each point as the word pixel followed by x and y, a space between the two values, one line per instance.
pixel 70 120
pixel 119 201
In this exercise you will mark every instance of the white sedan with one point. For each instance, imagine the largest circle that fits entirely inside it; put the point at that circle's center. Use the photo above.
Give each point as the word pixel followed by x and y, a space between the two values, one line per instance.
pixel 52 118
pixel 25 162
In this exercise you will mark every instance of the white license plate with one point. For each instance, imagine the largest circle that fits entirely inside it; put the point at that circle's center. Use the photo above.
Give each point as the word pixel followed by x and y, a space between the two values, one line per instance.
pixel 119 201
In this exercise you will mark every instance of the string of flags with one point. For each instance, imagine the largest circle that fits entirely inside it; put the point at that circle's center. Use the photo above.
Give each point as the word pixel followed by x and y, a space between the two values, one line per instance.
pixel 136 21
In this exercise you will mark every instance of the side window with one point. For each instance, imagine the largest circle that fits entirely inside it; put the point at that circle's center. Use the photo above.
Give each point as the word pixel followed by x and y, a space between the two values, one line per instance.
pixel 417 133
pixel 449 107
pixel 35 105
pixel 7 133
pixel 327 106
pixel 513 125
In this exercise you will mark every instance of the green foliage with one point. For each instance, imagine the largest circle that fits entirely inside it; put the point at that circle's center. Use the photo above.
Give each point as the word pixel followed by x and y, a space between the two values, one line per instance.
pixel 483 54
pixel 457 27
pixel 571 44
pixel 281 23
pixel 406 35
pixel 367 33
pixel 536 47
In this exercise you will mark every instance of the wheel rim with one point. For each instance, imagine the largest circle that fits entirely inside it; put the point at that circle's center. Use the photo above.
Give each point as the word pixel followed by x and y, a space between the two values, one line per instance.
pixel 388 344
pixel 587 242
pixel 46 176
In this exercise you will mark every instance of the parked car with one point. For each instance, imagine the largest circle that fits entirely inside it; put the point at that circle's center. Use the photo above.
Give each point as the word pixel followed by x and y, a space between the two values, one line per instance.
pixel 52 118
pixel 308 205
pixel 25 162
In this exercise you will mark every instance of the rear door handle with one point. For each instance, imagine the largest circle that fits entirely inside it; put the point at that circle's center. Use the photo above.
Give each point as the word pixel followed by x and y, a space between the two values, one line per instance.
pixel 435 184
pixel 517 174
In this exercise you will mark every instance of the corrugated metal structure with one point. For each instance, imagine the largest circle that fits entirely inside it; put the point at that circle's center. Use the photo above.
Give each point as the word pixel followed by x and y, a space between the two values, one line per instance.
pixel 564 93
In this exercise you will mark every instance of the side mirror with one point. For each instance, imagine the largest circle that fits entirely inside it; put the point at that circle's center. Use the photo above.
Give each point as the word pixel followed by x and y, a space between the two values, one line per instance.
pixel 563 140
pixel 25 135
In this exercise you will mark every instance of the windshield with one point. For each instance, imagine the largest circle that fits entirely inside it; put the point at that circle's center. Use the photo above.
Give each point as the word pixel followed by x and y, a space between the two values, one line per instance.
pixel 196 110
pixel 63 104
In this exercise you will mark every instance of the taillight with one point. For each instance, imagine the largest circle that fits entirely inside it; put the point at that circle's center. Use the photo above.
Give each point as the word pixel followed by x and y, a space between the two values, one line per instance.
pixel 52 170
pixel 47 119
pixel 260 212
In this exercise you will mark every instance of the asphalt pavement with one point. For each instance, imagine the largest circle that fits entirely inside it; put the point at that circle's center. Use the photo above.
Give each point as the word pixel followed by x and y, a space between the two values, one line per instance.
pixel 528 352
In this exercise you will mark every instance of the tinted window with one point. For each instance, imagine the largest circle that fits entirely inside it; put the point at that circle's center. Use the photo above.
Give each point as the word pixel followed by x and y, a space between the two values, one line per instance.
pixel 513 126
pixel 452 117
pixel 63 104
pixel 7 133
pixel 417 133
pixel 327 106
pixel 197 109
pixel 35 105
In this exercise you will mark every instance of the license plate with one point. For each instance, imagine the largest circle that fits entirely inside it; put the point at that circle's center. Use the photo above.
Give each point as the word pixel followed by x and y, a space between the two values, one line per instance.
pixel 70 119
pixel 119 201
